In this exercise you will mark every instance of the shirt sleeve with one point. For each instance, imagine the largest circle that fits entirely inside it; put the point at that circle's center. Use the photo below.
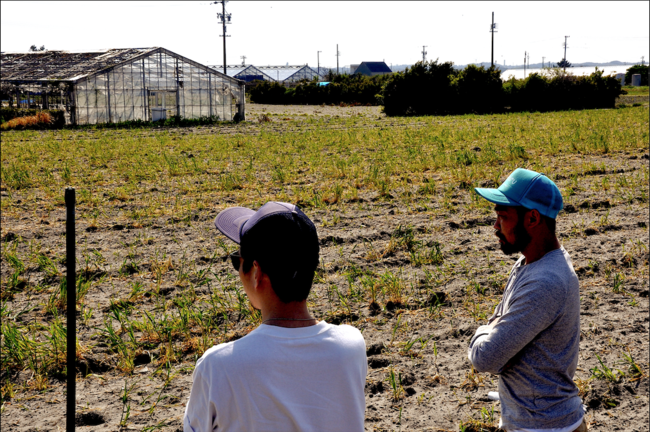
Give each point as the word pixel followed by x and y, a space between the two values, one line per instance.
pixel 531 312
pixel 200 412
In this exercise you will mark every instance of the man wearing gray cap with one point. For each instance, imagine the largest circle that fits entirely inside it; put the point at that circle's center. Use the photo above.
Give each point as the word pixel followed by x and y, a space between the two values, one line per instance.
pixel 292 373
pixel 533 338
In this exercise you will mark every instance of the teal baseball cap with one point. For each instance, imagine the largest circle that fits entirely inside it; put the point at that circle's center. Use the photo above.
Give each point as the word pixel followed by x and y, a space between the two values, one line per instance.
pixel 529 189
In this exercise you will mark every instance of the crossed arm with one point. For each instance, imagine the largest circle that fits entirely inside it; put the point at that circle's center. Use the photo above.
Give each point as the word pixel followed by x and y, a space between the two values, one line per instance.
pixel 495 344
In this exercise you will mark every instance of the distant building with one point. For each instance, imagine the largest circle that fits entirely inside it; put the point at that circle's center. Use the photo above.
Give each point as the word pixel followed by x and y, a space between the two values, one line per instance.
pixel 249 73
pixel 371 69
pixel 280 74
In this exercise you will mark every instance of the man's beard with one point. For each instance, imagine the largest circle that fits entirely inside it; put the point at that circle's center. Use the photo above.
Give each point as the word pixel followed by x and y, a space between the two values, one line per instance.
pixel 522 239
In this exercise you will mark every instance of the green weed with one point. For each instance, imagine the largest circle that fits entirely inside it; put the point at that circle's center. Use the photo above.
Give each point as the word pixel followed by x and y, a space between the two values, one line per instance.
pixel 605 373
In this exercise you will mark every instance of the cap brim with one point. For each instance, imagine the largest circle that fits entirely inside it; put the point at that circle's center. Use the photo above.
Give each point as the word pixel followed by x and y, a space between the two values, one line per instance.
pixel 230 221
pixel 495 196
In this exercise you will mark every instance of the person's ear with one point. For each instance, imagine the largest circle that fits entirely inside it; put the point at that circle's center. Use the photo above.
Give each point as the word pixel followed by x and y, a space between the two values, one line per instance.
pixel 257 274
pixel 533 219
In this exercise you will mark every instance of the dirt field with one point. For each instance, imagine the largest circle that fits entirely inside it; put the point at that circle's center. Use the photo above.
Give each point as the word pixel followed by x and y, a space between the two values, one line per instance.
pixel 417 272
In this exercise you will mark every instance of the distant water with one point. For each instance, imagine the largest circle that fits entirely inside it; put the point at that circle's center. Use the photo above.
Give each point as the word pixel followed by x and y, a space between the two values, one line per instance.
pixel 586 70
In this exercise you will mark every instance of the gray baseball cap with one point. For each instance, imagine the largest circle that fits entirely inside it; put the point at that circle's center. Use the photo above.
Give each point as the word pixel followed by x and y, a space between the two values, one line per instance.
pixel 234 222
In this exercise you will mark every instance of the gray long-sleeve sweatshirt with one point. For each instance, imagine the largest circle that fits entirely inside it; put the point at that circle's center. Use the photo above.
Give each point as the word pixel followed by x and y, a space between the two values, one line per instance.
pixel 534 345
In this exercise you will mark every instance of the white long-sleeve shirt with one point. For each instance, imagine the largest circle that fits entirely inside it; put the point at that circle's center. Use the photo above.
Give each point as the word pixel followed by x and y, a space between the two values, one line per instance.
pixel 281 379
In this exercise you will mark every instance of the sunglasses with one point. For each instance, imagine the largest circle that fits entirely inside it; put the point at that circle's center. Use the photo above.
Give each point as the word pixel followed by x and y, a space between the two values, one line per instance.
pixel 234 259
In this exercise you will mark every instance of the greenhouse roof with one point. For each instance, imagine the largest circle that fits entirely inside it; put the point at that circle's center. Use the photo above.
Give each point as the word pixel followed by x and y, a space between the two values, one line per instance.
pixel 277 73
pixel 282 73
pixel 69 66
pixel 251 70
pixel 63 65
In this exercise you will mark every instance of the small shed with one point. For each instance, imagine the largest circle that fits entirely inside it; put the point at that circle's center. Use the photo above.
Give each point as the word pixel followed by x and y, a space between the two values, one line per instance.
pixel 371 69
pixel 119 85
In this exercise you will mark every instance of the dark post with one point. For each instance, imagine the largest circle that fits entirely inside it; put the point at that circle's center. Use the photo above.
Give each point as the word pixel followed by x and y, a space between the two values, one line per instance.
pixel 318 61
pixel 71 288
pixel 525 64
pixel 492 30
pixel 337 59
pixel 565 47
pixel 223 8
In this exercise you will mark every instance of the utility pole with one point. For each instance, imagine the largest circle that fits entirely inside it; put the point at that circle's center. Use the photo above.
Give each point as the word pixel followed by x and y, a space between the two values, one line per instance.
pixel 337 59
pixel 525 64
pixel 528 60
pixel 424 53
pixel 543 61
pixel 493 30
pixel 318 61
pixel 243 60
pixel 642 60
pixel 565 47
pixel 224 19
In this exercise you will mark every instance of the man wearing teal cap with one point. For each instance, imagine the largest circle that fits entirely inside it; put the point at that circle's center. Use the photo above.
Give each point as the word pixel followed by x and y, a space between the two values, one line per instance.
pixel 533 338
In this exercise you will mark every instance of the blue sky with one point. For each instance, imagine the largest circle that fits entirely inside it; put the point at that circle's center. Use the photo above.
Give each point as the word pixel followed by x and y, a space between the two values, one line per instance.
pixel 292 32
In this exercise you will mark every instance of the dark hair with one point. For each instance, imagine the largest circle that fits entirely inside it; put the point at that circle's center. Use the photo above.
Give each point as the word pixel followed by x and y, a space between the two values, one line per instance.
pixel 286 248
pixel 550 222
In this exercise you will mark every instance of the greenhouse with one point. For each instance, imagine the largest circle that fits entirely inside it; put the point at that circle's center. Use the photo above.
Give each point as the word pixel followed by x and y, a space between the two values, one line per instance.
pixel 289 74
pixel 280 74
pixel 251 73
pixel 118 85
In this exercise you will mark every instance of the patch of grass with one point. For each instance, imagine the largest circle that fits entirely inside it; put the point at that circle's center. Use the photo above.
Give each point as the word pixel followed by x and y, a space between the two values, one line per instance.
pixel 39 119
pixel 603 372
pixel 395 383
pixel 635 372
pixel 636 90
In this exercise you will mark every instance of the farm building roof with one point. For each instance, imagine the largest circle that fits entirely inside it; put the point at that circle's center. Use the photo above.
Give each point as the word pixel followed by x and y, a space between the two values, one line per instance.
pixel 68 66
pixel 376 66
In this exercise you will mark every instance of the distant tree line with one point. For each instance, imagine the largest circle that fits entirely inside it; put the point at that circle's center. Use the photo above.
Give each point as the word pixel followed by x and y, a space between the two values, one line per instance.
pixel 342 89
pixel 432 88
